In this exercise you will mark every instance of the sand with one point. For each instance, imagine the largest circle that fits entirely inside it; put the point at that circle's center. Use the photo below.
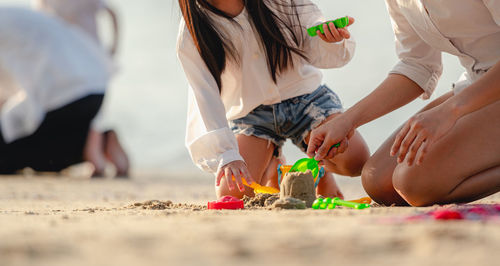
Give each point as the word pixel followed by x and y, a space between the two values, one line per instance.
pixel 70 221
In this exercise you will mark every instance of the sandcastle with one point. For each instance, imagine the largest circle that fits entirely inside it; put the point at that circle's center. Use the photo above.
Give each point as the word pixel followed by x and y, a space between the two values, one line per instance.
pixel 300 186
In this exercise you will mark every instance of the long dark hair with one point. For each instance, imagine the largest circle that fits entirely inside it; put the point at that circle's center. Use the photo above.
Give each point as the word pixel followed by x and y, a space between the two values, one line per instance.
pixel 276 33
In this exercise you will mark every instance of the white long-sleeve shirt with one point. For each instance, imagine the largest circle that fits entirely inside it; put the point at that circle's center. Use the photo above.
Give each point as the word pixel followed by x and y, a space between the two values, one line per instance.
pixel 46 65
pixel 246 85
pixel 469 29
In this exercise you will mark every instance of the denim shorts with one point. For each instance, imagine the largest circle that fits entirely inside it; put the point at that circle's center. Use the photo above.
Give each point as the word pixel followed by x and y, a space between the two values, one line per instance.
pixel 290 119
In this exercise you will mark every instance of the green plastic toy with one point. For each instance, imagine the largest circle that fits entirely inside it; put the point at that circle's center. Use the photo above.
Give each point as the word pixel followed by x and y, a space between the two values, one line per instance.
pixel 328 203
pixel 305 164
pixel 339 23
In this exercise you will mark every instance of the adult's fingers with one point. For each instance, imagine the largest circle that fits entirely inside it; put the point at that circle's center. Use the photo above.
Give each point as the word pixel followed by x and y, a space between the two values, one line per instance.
pixel 324 149
pixel 315 140
pixel 415 146
pixel 343 145
pixel 333 151
pixel 399 138
pixel 423 151
pixel 229 178
pixel 406 143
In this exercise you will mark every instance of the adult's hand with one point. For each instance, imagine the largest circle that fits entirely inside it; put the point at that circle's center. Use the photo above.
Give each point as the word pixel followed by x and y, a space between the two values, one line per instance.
pixel 322 139
pixel 420 132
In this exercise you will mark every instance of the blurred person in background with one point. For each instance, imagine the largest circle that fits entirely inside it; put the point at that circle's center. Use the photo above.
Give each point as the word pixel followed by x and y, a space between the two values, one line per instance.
pixel 103 144
pixel 52 80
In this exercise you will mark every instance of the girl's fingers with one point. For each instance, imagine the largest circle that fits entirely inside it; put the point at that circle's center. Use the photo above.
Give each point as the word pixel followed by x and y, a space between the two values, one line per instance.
pixel 423 151
pixel 344 32
pixel 351 21
pixel 336 35
pixel 229 178
pixel 406 143
pixel 415 147
pixel 322 36
pixel 237 177
pixel 247 175
pixel 399 138
pixel 219 176
pixel 328 34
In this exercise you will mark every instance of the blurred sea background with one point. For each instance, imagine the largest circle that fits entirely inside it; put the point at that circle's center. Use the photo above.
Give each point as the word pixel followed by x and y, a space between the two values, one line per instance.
pixel 146 101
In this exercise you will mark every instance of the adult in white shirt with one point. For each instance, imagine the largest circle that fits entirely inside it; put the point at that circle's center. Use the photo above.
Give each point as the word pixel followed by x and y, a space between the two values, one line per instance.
pixel 246 97
pixel 449 151
pixel 56 78
pixel 103 143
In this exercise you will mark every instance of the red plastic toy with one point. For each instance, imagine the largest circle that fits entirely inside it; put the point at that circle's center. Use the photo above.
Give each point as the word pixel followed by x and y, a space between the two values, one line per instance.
pixel 226 203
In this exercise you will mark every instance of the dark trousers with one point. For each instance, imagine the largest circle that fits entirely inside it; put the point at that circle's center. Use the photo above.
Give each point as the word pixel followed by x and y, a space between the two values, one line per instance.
pixel 57 143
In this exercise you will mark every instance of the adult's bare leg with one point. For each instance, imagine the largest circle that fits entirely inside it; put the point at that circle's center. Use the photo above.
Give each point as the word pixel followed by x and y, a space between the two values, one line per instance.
pixel 378 171
pixel 462 166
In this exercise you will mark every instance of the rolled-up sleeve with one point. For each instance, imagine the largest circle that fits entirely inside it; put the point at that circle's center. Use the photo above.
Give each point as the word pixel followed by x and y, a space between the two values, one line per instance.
pixel 209 139
pixel 494 8
pixel 320 53
pixel 418 61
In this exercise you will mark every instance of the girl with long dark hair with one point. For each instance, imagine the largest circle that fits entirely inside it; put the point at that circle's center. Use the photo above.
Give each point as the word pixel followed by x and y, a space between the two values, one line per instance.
pixel 254 82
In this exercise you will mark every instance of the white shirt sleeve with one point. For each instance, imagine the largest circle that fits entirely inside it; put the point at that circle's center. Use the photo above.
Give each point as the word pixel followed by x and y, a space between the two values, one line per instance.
pixel 418 61
pixel 210 141
pixel 494 8
pixel 320 53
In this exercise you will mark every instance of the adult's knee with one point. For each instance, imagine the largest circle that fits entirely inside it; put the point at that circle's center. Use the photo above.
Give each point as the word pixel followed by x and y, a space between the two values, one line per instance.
pixel 377 182
pixel 415 186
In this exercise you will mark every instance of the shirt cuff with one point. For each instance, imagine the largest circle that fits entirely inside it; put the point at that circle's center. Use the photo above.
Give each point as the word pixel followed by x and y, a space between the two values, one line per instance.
pixel 227 157
pixel 427 80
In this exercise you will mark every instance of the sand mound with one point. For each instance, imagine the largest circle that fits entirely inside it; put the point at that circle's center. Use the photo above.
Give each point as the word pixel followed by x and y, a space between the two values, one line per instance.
pixel 300 186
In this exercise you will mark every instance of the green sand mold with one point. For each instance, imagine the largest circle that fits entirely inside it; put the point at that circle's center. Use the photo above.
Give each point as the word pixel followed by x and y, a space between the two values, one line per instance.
pixel 339 23
pixel 329 203
pixel 305 164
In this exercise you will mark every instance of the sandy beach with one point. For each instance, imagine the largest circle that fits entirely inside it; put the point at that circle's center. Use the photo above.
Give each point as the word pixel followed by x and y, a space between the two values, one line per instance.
pixel 60 220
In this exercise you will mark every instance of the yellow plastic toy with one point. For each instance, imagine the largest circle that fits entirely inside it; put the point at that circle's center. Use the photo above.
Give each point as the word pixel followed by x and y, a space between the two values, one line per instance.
pixel 366 200
pixel 258 188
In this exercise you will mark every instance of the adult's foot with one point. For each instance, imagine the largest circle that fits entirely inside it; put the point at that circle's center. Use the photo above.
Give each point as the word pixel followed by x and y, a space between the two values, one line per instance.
pixel 115 153
pixel 93 152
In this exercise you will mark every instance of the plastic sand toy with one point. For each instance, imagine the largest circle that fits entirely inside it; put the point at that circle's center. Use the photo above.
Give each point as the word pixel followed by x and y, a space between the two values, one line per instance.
pixel 258 188
pixel 329 203
pixel 305 164
pixel 339 23
pixel 284 169
pixel 226 203
pixel 366 200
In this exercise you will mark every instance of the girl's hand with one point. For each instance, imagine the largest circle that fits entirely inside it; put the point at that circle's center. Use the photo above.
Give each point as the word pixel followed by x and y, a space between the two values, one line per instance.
pixel 236 169
pixel 332 34
pixel 420 132
pixel 323 138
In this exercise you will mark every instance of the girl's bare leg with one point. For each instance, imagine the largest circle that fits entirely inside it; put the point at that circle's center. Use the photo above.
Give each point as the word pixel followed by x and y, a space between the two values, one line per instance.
pixel 378 171
pixel 257 153
pixel 462 166
pixel 327 187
